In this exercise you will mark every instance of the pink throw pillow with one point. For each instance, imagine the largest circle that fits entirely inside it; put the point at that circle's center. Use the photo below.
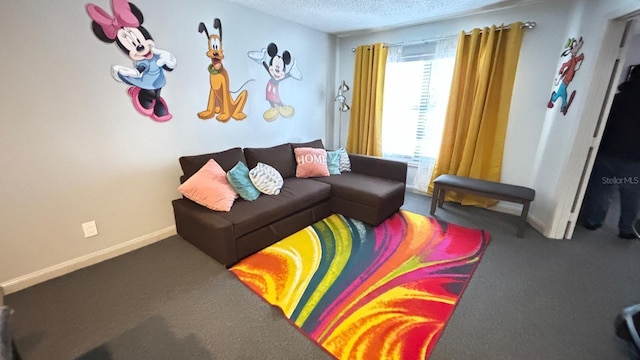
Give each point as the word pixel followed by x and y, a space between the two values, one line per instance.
pixel 209 187
pixel 312 162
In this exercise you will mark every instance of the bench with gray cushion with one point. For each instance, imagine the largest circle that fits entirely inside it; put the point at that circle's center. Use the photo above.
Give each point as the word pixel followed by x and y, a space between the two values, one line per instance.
pixel 484 188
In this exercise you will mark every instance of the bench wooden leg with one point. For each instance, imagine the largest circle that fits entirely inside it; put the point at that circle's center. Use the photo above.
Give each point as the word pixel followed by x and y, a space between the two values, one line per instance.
pixel 441 197
pixel 434 198
pixel 523 218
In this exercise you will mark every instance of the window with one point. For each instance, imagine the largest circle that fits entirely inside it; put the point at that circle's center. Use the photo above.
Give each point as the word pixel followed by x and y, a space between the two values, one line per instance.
pixel 416 92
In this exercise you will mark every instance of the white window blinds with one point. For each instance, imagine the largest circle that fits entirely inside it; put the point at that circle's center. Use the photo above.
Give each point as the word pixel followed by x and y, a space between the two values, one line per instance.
pixel 417 84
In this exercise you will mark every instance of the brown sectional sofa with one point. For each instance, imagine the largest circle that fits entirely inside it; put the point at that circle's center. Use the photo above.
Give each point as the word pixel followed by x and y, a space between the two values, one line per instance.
pixel 371 192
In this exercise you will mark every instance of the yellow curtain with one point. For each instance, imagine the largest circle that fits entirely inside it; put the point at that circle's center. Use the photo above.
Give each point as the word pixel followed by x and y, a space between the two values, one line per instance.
pixel 365 126
pixel 478 109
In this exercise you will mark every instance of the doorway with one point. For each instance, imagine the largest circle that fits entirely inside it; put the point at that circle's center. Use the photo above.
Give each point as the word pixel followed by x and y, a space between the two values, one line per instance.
pixel 626 30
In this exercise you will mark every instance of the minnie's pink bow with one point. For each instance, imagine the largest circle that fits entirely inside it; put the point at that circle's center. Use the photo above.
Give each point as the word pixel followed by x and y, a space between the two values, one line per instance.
pixel 122 16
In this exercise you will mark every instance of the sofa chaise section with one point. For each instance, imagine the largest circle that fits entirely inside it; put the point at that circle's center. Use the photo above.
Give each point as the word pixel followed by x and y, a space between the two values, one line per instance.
pixel 372 191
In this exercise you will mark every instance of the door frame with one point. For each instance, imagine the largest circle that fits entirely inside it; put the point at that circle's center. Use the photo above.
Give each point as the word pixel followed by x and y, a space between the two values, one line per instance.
pixel 611 61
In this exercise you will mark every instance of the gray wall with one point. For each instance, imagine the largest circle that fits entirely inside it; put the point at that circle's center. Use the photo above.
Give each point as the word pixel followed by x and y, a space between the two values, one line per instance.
pixel 73 149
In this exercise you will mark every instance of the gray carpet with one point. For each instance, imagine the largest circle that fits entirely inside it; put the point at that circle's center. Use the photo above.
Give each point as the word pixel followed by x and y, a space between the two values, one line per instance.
pixel 530 298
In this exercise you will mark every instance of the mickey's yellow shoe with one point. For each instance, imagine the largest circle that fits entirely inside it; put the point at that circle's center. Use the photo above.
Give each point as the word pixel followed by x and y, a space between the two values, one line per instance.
pixel 271 114
pixel 286 111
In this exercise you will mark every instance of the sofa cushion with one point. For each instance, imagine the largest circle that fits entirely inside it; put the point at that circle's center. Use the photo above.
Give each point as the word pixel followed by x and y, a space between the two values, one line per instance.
pixel 316 144
pixel 295 195
pixel 209 187
pixel 311 162
pixel 266 179
pixel 364 189
pixel 239 179
pixel 227 160
pixel 280 157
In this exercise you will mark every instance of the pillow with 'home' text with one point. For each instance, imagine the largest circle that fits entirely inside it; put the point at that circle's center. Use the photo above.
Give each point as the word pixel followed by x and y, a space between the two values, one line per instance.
pixel 312 162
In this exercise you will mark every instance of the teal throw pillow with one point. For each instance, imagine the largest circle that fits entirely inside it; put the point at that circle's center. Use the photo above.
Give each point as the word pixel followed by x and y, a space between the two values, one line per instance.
pixel 333 162
pixel 239 179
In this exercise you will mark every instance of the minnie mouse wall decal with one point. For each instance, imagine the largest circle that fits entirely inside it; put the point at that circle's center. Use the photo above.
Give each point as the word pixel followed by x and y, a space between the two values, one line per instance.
pixel 146 77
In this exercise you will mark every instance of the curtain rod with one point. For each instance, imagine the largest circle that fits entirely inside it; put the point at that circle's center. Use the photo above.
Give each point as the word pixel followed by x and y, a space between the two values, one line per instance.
pixel 525 25
pixel 413 42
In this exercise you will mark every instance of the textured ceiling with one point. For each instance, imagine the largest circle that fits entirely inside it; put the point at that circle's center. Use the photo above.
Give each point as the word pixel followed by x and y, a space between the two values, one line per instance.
pixel 341 17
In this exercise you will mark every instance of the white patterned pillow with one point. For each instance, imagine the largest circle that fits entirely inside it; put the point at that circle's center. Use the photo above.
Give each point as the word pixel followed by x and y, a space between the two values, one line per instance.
pixel 345 163
pixel 266 179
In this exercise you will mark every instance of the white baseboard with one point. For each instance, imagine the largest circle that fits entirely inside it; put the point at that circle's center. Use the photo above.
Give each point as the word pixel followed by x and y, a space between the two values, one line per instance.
pixel 538 226
pixel 67 267
pixel 507 208
pixel 516 209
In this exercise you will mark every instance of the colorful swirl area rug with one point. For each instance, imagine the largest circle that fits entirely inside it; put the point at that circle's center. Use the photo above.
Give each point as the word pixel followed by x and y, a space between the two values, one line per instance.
pixel 364 292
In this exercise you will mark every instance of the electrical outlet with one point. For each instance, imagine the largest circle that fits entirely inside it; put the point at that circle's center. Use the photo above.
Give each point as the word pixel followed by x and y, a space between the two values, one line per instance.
pixel 90 229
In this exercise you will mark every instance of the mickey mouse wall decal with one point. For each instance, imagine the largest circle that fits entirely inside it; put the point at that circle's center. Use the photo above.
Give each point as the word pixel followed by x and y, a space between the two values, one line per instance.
pixel 277 66
pixel 146 78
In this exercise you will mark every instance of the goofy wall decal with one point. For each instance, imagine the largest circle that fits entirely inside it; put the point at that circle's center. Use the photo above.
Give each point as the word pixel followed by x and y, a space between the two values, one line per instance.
pixel 566 73
pixel 146 78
